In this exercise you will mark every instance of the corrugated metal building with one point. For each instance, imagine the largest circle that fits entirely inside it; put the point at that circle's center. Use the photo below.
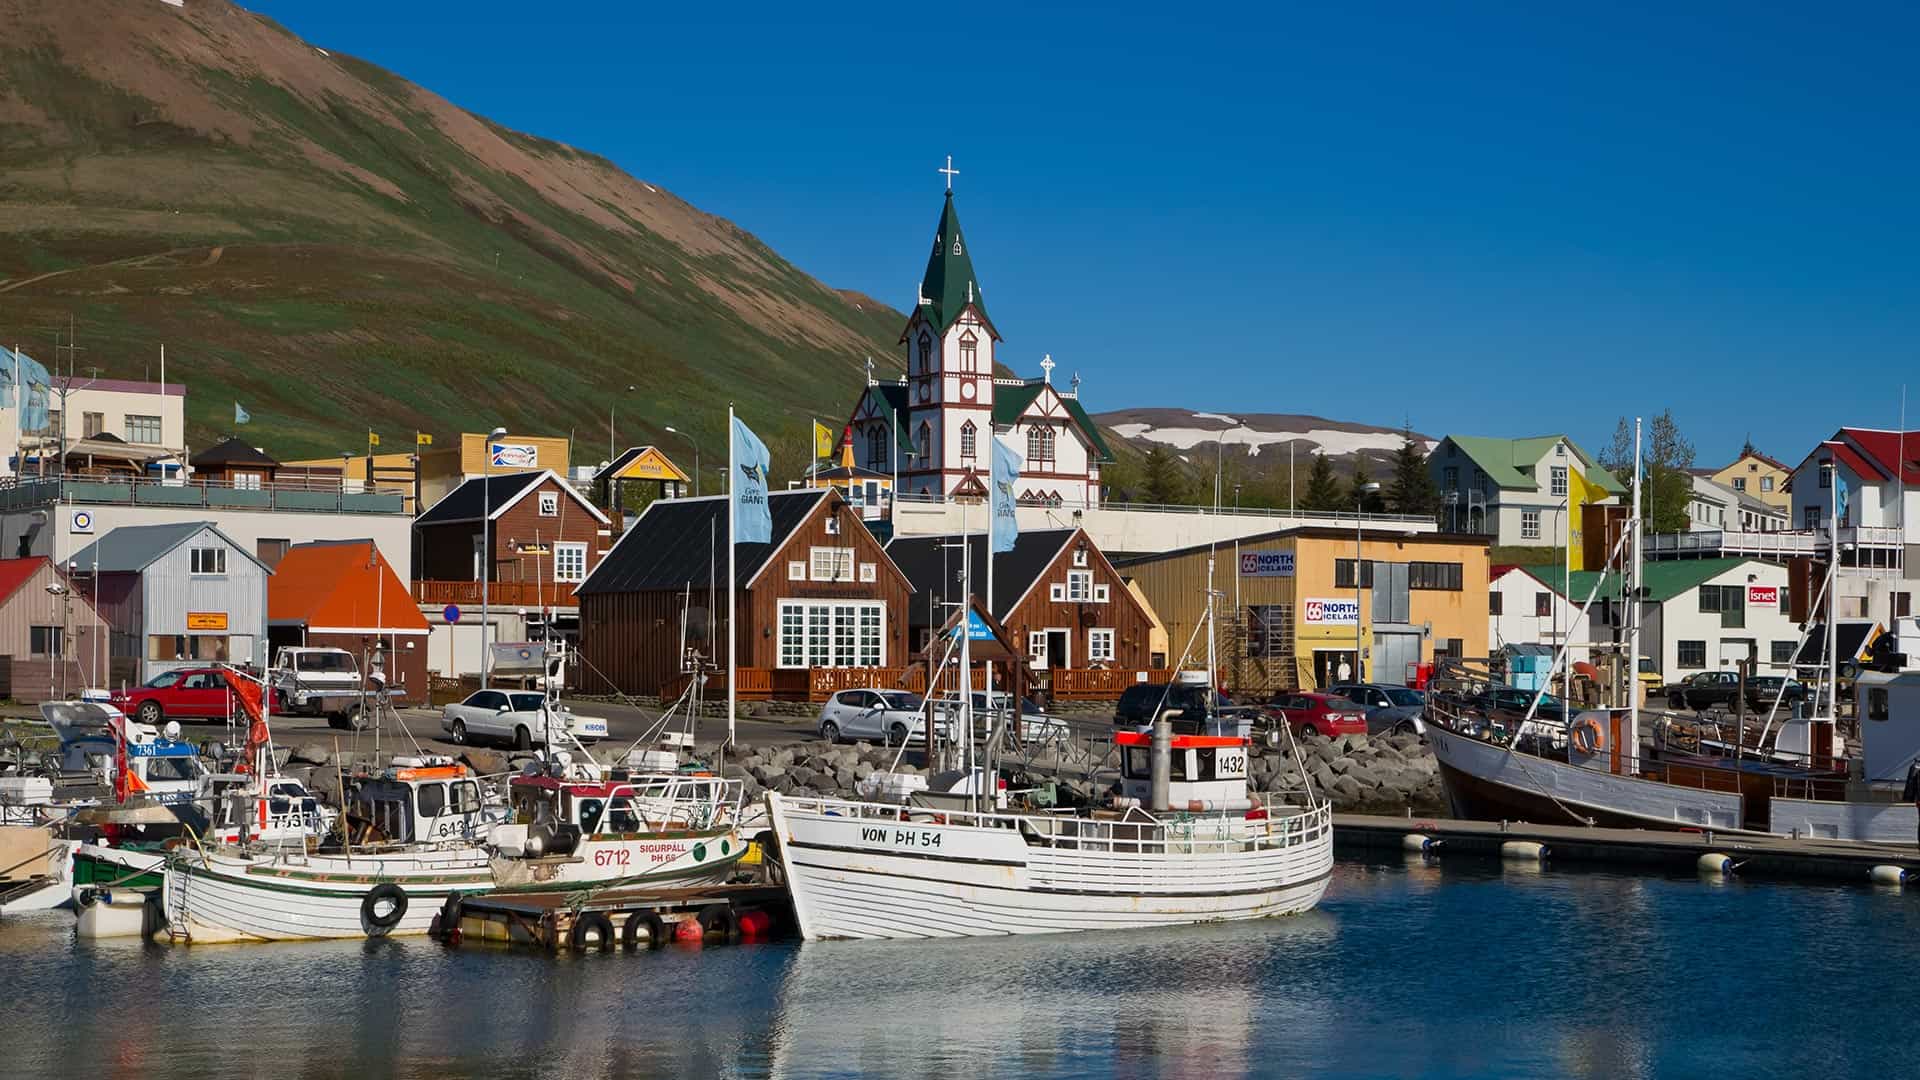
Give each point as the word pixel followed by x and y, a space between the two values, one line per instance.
pixel 176 596
pixel 52 640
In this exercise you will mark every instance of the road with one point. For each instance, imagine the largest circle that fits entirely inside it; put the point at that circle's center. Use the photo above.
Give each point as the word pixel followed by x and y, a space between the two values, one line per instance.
pixel 625 723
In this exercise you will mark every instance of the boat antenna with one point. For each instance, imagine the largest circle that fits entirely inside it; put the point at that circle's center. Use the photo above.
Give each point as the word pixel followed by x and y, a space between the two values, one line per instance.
pixel 1630 738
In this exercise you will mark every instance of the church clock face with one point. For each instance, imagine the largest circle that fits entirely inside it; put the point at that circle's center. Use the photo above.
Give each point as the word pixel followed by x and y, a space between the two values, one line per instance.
pixel 925 392
pixel 966 390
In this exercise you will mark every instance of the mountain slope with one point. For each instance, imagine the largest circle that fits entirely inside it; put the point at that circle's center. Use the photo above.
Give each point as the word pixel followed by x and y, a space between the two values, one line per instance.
pixel 1266 454
pixel 337 248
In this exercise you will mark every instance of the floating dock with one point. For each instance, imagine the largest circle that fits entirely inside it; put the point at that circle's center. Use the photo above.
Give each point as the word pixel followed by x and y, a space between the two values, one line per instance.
pixel 1707 851
pixel 629 919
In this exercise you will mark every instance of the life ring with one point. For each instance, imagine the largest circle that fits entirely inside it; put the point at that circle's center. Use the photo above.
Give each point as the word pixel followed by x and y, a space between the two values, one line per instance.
pixel 591 923
pixel 651 922
pixel 370 914
pixel 1588 736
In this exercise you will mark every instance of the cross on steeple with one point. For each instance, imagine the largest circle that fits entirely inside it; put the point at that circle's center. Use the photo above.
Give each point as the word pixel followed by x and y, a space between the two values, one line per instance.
pixel 950 172
pixel 1046 369
pixel 870 381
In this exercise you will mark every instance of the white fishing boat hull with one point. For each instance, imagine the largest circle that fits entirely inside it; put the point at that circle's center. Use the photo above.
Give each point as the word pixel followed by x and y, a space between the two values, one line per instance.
pixel 228 896
pixel 853 873
pixel 689 858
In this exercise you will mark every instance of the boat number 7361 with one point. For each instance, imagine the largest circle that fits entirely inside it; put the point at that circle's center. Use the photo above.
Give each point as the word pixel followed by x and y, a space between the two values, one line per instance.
pixel 913 838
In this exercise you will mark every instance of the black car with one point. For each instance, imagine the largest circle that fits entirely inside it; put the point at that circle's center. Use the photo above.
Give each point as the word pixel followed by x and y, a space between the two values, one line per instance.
pixel 1138 703
pixel 1764 690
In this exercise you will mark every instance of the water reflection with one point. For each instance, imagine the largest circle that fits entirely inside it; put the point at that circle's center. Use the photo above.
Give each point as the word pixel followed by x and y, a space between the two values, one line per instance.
pixel 1445 968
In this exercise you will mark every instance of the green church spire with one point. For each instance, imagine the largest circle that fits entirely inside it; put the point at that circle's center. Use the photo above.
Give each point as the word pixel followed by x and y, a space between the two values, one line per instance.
pixel 949 284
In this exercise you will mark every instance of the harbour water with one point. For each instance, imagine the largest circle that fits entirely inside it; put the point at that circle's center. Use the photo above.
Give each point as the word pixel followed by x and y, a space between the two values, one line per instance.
pixel 1467 969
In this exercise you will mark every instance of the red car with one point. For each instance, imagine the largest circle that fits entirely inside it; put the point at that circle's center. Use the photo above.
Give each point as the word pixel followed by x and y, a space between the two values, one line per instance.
pixel 180 694
pixel 1317 714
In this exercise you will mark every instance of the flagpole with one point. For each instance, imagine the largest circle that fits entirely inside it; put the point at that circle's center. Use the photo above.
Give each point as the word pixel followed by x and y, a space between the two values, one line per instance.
pixel 733 584
pixel 813 436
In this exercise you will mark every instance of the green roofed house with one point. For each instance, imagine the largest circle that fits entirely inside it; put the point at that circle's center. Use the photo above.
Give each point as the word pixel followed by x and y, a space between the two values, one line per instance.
pixel 1522 492
pixel 1698 614
pixel 932 427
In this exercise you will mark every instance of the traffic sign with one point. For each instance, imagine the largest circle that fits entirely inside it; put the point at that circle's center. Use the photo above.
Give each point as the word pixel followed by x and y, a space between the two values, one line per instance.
pixel 452 614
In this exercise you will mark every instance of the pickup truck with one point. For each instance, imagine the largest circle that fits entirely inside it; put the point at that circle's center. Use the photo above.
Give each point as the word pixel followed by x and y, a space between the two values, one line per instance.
pixel 312 681
pixel 1705 690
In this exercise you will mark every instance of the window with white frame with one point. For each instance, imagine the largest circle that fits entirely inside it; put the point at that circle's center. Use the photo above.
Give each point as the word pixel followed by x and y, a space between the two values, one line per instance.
pixel 1557 478
pixel 1079 586
pixel 833 525
pixel 210 560
pixel 869 573
pixel 570 561
pixel 143 429
pixel 796 571
pixel 1529 524
pixel 831 564
pixel 1100 644
pixel 968 439
pixel 832 633
pixel 1080 556
pixel 549 504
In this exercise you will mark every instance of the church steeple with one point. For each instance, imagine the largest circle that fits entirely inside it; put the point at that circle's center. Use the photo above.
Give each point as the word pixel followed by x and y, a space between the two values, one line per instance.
pixel 949 284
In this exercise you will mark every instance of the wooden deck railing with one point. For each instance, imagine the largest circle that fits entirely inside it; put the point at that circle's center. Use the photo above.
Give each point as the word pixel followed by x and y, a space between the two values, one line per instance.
pixel 500 593
pixel 818 684
pixel 1100 684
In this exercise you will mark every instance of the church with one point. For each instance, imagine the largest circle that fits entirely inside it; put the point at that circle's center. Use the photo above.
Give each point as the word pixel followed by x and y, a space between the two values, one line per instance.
pixel 937 418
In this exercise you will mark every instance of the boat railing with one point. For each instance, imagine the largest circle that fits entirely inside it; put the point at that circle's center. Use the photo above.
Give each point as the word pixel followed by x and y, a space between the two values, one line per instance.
pixel 1264 825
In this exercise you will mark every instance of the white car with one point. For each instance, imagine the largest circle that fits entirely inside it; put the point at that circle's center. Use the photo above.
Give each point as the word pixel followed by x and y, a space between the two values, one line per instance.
pixel 1035 726
pixel 892 716
pixel 520 717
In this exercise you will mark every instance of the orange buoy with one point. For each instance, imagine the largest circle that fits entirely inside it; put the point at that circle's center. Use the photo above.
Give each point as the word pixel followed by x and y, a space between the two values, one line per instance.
pixel 689 932
pixel 755 925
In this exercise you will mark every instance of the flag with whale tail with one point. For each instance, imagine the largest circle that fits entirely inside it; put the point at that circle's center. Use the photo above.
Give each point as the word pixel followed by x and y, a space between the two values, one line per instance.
pixel 752 518
pixel 1006 474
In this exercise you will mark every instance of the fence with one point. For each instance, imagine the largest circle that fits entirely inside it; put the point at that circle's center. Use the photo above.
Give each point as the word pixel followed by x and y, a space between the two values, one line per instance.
pixel 309 495
pixel 499 593
pixel 820 683
pixel 1101 684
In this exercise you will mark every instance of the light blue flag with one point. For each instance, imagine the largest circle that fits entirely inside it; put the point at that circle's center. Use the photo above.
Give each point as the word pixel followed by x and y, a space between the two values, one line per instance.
pixel 1006 473
pixel 752 520
pixel 34 382
pixel 1842 493
pixel 239 414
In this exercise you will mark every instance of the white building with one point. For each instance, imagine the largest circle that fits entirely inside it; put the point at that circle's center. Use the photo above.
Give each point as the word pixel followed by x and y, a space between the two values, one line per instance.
pixel 1701 615
pixel 933 426
pixel 1713 506
pixel 146 415
pixel 1527 605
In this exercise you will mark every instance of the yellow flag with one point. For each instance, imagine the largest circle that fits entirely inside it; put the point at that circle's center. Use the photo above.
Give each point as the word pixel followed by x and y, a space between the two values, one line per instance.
pixel 822 440
pixel 372 439
pixel 421 438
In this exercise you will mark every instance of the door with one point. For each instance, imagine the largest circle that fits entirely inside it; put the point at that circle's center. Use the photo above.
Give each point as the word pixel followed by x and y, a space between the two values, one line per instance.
pixel 1331 666
pixel 482 713
pixel 202 694
pixel 855 713
pixel 1059 648
pixel 1394 656
pixel 1037 650
pixel 1734 650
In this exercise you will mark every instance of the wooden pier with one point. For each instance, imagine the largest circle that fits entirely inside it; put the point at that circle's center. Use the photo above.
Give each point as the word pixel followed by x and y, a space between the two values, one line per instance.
pixel 1743 855
pixel 602 921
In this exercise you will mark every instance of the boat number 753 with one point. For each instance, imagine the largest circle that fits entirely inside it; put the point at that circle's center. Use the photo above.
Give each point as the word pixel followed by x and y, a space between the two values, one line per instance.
pixel 913 838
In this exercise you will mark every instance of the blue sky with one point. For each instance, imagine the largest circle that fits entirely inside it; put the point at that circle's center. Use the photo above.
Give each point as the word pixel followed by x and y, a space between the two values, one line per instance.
pixel 1487 218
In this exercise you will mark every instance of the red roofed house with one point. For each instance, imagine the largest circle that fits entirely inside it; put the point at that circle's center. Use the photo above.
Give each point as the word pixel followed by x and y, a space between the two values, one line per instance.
pixel 343 594
pixel 52 642
pixel 1879 474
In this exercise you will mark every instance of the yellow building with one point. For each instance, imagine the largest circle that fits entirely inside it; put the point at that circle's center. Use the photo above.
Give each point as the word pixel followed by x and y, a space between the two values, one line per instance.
pixel 1290 616
pixel 1754 473
pixel 375 472
pixel 445 468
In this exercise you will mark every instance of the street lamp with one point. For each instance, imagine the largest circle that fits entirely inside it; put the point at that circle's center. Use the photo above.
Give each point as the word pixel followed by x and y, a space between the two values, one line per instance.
pixel 1359 500
pixel 696 456
pixel 613 406
pixel 486 548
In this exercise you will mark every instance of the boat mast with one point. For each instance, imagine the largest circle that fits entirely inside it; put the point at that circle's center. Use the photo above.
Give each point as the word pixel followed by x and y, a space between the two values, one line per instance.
pixel 1833 589
pixel 1631 737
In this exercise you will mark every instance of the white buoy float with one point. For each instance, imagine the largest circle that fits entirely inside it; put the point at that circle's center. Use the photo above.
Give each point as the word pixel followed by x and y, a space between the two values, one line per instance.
pixel 1414 841
pixel 1888 875
pixel 1523 851
pixel 107 913
pixel 1715 864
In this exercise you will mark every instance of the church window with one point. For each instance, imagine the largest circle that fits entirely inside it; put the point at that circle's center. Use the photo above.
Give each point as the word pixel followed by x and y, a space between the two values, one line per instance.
pixel 967 431
pixel 969 352
pixel 925 446
pixel 926 352
pixel 1040 445
pixel 877 448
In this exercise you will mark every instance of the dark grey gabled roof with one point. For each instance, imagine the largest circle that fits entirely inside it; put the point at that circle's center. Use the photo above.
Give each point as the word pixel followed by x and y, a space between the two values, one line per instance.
pixel 933 569
pixel 464 502
pixel 233 451
pixel 133 548
pixel 677 542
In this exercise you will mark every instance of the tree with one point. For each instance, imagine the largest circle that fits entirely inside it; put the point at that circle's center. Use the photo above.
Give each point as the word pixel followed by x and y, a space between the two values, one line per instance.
pixel 1665 460
pixel 1411 490
pixel 1323 491
pixel 1365 500
pixel 1163 481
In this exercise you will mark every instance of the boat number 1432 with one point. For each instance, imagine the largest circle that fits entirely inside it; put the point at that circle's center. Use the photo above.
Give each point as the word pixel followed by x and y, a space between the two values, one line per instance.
pixel 913 838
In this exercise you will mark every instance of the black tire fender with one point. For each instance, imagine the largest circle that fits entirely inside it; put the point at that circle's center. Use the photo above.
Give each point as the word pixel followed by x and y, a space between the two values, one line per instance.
pixel 370 916
pixel 588 923
pixel 721 919
pixel 651 922
pixel 153 918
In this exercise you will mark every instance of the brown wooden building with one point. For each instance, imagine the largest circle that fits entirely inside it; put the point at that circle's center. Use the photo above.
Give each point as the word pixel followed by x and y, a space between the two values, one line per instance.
pixel 52 642
pixel 1061 601
pixel 545 537
pixel 822 595
pixel 234 463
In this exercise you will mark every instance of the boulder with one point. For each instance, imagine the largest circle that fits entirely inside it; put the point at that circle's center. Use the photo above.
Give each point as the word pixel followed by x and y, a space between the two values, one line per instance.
pixel 1327 751
pixel 767 774
pixel 843 778
pixel 312 754
pixel 281 756
pixel 783 783
pixel 1341 765
pixel 485 762
pixel 862 770
pixel 804 775
pixel 1351 744
pixel 1345 788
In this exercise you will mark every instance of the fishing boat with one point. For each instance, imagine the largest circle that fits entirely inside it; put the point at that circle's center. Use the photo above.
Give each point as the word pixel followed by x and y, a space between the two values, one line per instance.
pixel 1187 839
pixel 1798 778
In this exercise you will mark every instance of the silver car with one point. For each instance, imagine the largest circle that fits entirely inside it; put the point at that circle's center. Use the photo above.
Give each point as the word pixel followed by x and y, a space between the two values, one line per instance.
pixel 892 716
pixel 520 717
